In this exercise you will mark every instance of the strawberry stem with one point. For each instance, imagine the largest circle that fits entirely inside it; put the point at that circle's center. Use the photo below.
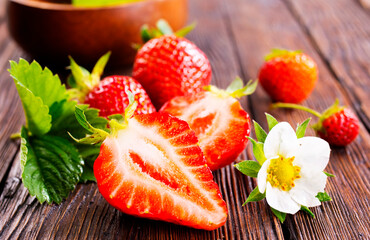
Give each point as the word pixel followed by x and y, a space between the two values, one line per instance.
pixel 296 106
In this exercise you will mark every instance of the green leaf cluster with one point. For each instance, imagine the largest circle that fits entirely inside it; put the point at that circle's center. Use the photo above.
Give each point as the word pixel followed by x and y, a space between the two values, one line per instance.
pixel 52 163
pixel 162 28
pixel 236 89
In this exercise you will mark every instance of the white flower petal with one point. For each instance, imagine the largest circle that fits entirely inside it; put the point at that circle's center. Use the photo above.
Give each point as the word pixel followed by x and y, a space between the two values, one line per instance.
pixel 281 200
pixel 262 176
pixel 307 187
pixel 281 140
pixel 313 154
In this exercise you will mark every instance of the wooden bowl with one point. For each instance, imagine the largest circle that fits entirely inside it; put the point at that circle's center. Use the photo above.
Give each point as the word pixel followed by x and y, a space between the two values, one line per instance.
pixel 49 32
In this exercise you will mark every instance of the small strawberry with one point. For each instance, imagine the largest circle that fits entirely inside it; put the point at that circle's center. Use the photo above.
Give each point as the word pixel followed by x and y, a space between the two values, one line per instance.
pixel 288 76
pixel 338 125
pixel 151 166
pixel 170 65
pixel 219 121
pixel 108 95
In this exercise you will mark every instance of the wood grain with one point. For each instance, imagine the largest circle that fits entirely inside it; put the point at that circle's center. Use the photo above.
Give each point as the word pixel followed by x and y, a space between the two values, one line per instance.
pixel 343 44
pixel 235 35
pixel 350 165
pixel 11 116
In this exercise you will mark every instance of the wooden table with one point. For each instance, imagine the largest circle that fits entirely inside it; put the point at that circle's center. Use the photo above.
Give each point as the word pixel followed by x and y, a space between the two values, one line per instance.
pixel 235 34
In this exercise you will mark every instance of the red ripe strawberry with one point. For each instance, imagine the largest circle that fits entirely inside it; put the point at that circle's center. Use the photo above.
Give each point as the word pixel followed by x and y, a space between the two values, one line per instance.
pixel 338 125
pixel 288 76
pixel 110 94
pixel 340 128
pixel 111 98
pixel 151 166
pixel 170 66
pixel 219 121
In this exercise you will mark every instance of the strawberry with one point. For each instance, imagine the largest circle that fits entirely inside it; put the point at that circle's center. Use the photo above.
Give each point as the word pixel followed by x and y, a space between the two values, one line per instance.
pixel 170 66
pixel 338 125
pixel 151 166
pixel 219 121
pixel 288 76
pixel 108 95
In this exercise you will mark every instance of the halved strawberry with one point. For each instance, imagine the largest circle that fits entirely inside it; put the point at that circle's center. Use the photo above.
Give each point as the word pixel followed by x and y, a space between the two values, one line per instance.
pixel 219 121
pixel 151 167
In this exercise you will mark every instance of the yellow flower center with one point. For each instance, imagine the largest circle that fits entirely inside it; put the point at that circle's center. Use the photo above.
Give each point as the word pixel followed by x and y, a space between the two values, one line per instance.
pixel 281 173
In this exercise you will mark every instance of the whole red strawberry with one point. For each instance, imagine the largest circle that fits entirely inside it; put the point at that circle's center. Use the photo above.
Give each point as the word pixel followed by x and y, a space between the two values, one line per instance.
pixel 219 121
pixel 110 94
pixel 151 166
pixel 288 76
pixel 170 66
pixel 340 128
pixel 338 125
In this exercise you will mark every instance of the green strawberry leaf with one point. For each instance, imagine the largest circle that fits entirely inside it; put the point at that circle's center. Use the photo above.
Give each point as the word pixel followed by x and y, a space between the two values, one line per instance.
pixel 51 166
pixel 271 121
pixel 39 90
pixel 301 128
pixel 185 30
pixel 145 33
pixel 329 174
pixel 164 27
pixel 100 65
pixel 258 151
pixel 307 210
pixel 260 133
pixel 97 135
pixel 235 85
pixel 89 153
pixel 248 167
pixel 323 197
pixel 51 162
pixel 280 215
pixel 118 117
pixel 38 119
pixel 41 82
pixel 255 196
pixel 242 91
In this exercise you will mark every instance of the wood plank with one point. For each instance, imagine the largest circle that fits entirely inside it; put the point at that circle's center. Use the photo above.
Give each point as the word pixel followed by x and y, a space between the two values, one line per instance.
pixel 343 41
pixel 11 116
pixel 260 26
pixel 85 214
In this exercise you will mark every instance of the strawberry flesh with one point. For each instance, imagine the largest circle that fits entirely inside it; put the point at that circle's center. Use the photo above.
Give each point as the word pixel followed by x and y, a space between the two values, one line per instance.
pixel 220 123
pixel 154 168
pixel 110 96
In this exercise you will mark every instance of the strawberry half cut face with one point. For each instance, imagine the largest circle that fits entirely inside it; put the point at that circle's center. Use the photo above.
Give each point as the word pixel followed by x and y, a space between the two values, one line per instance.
pixel 220 123
pixel 154 168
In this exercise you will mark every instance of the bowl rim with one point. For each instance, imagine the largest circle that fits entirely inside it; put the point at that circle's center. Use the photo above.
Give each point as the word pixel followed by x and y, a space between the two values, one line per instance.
pixel 70 7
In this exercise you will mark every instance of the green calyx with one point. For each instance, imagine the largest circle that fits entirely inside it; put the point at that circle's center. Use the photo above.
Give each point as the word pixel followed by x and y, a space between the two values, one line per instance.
pixel 163 28
pixel 82 81
pixel 117 122
pixel 236 89
pixel 322 116
pixel 326 114
pixel 276 52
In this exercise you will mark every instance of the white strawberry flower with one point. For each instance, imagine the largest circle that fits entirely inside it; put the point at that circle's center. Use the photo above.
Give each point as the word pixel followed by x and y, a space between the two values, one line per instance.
pixel 289 168
pixel 292 175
